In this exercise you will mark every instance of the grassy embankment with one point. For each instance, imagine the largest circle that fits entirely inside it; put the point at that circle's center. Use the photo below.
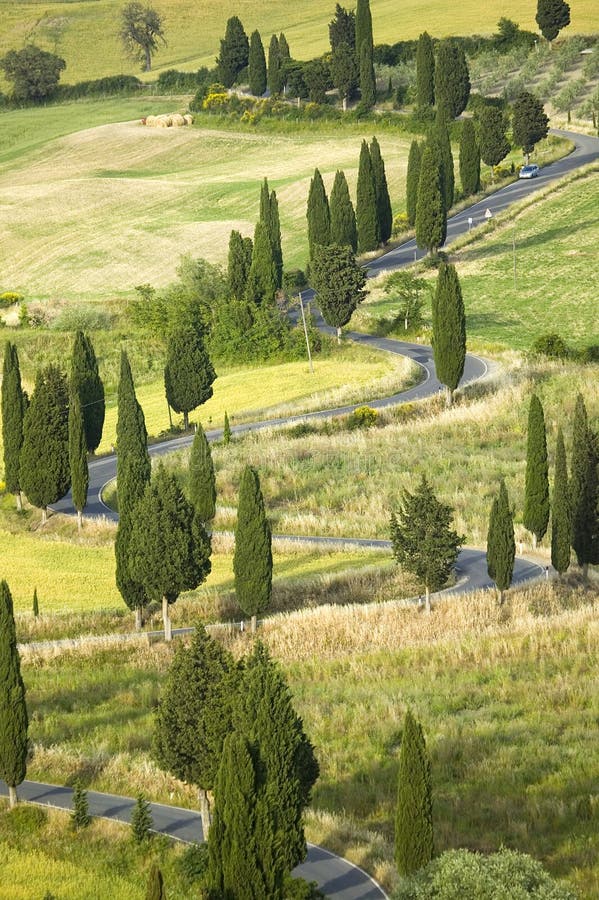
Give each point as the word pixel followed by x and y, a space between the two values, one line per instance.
pixel 91 48
pixel 507 698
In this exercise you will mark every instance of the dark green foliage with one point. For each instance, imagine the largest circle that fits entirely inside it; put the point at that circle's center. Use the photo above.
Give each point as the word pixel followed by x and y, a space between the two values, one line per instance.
pixel 367 221
pixel 343 217
pixel 85 380
pixel 423 541
pixel 494 146
pixel 155 889
pixel 14 405
pixel 552 345
pixel 257 65
pixel 193 862
pixel 252 561
pixel 234 52
pixel 188 373
pixel 80 817
pixel 202 481
pixel 425 72
pixel 34 73
pixel 226 430
pixel 529 122
pixel 36 605
pixel 285 757
pixel 239 262
pixel 431 215
pixel 318 215
pixel 367 77
pixel 551 17
pixel 342 29
pixel 406 290
pixel 339 284
pixel 262 276
pixel 344 71
pixel 469 160
pixel 561 516
pixel 275 70
pixel 452 79
pixel 240 844
pixel 383 201
pixel 141 820
pixel 284 56
pixel 363 27
pixel 536 491
pixel 317 78
pixel 141 31
pixel 44 470
pixel 414 813
pixel 584 493
pixel 13 709
pixel 77 454
pixel 299 889
pixel 273 223
pixel 132 475
pixel 501 546
pixel 412 179
pixel 438 140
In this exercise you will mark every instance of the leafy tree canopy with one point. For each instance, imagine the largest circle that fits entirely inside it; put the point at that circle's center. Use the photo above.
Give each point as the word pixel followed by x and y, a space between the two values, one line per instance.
pixel 142 32
pixel 34 73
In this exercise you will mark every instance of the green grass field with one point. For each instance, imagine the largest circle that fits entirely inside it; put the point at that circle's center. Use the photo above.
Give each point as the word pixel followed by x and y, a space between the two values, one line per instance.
pixel 89 43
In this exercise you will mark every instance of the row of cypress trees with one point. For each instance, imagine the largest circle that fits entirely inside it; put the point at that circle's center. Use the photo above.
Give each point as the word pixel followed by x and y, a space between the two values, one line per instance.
pixel 442 78
pixel 255 268
pixel 237 53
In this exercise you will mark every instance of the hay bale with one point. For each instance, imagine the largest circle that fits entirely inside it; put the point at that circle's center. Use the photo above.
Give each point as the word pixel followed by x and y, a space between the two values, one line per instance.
pixel 150 120
pixel 177 120
pixel 188 119
pixel 161 122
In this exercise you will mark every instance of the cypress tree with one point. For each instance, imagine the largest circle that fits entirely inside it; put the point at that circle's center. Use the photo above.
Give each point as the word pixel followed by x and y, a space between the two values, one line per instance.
pixel 44 462
pixel 236 864
pixel 383 201
pixel 284 52
pixel 155 889
pixel 339 284
pixel 80 817
pixel 344 72
pixel 561 518
pixel 431 215
pixel 252 562
pixel 226 430
pixel 536 491
pixel 551 17
pixel 274 230
pixel 275 72
pixel 494 146
pixel 529 122
pixel 78 457
pixel 234 52
pixel 13 709
pixel 342 29
pixel 343 217
pixel 238 265
pixel 363 27
pixel 367 76
pixel 366 211
pixel 438 140
pixel 132 475
pixel 584 489
pixel 194 715
pixel 202 481
pixel 262 276
pixel 169 550
pixel 265 204
pixel 141 820
pixel 425 72
pixel 86 382
pixel 501 546
pixel 36 605
pixel 452 79
pixel 285 758
pixel 257 65
pixel 414 814
pixel 14 406
pixel 318 215
pixel 412 179
pixel 469 160
pixel 449 329
pixel 188 373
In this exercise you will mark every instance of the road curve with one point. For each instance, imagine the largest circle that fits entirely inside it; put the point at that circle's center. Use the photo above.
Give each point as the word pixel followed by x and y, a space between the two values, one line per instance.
pixel 337 878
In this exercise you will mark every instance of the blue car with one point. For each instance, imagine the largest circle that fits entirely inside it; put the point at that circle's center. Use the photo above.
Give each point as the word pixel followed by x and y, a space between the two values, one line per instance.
pixel 530 171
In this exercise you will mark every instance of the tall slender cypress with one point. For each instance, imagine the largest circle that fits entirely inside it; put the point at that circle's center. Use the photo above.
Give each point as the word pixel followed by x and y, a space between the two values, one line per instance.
pixel 202 482
pixel 452 79
pixel 536 491
pixel 438 139
pixel 469 160
pixel 561 516
pixel 274 228
pixel 383 201
pixel 431 215
pixel 284 52
pixel 44 473
pixel 257 65
pixel 78 457
pixel 425 72
pixel 367 76
pixel 13 709
pixel 262 276
pixel 234 52
pixel 343 217
pixel 501 545
pixel 363 26
pixel 14 405
pixel 449 329
pixel 366 211
pixel 252 561
pixel 86 382
pixel 318 214
pixel 133 473
pixel 414 813
pixel 412 179
pixel 584 489
pixel 238 266
pixel 275 73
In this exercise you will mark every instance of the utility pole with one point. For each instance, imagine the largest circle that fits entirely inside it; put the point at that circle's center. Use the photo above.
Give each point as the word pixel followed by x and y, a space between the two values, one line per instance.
pixel 306 333
pixel 514 254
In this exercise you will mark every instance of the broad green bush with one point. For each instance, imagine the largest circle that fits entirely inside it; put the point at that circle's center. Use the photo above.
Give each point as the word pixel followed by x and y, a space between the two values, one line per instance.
pixel 9 298
pixel 362 417
pixel 551 345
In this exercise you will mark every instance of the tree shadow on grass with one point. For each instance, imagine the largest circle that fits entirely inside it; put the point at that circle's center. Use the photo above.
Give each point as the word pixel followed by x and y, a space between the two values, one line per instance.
pixel 524 242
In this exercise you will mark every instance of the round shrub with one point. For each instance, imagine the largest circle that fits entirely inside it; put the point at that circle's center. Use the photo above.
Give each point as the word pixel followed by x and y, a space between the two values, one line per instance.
pixel 362 417
pixel 551 345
